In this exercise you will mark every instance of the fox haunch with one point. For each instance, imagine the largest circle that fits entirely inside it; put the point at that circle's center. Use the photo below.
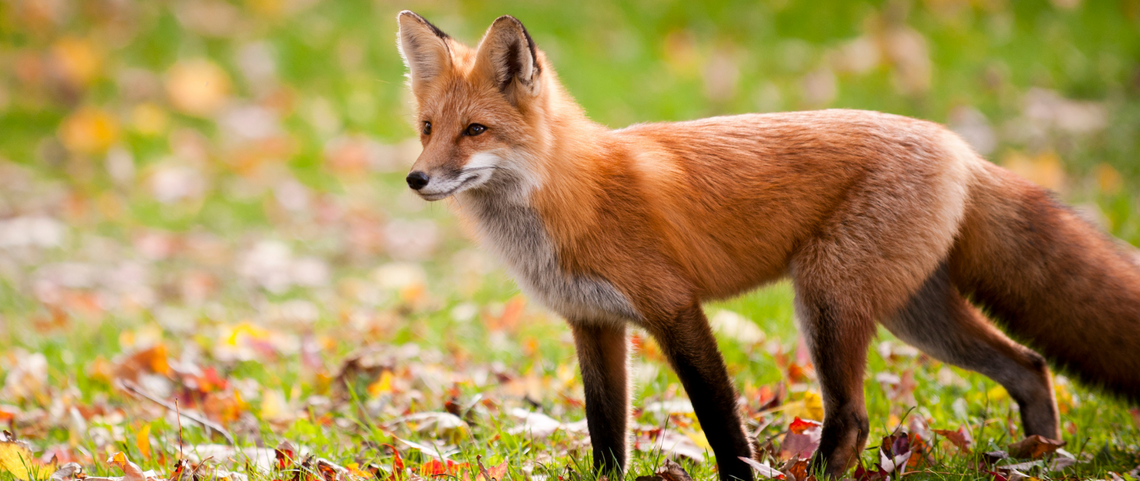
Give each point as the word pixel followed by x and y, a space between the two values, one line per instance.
pixel 876 218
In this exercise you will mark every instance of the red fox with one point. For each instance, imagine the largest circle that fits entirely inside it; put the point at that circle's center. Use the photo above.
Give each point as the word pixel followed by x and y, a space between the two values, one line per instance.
pixel 874 217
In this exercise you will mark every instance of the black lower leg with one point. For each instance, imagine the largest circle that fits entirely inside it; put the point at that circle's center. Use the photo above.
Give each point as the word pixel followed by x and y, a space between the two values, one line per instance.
pixel 691 349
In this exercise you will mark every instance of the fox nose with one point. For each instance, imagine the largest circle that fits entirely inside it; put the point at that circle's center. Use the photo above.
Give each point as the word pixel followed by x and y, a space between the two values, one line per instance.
pixel 417 180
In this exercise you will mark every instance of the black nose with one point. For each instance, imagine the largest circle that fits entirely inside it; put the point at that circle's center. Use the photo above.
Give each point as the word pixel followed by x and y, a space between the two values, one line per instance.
pixel 417 180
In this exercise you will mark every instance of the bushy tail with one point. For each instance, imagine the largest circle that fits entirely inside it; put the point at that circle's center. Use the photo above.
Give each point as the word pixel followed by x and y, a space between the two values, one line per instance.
pixel 1052 280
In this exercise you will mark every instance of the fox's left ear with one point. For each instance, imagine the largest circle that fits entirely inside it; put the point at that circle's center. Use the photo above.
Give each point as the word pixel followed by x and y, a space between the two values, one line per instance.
pixel 507 55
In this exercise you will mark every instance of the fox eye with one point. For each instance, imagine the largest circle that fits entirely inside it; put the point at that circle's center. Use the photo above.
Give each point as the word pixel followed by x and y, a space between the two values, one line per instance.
pixel 427 128
pixel 474 129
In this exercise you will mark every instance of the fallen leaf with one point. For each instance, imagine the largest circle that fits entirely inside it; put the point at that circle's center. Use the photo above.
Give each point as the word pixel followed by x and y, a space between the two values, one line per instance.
pixel 810 407
pixel 736 327
pixel 441 425
pixel 673 443
pixel 153 359
pixel 534 424
pixel 992 457
pixel 670 471
pixel 763 469
pixel 797 470
pixel 285 454
pixel 1034 447
pixel 67 471
pixel 494 473
pixel 960 438
pixel 397 463
pixel 142 441
pixel 432 451
pixel 16 457
pixel 894 452
pixel 131 471
pixel 874 474
pixel 801 440
pixel 446 468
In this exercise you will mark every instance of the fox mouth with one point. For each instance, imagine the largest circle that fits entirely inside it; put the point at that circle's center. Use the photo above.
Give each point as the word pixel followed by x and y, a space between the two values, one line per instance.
pixel 434 196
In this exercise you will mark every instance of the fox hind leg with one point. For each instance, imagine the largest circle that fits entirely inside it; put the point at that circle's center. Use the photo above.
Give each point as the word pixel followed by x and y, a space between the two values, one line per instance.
pixel 838 342
pixel 941 323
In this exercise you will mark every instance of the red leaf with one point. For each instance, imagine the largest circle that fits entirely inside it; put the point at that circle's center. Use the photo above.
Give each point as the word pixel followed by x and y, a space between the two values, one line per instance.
pixel 286 454
pixel 802 439
pixel 876 474
pixel 397 463
pixel 436 467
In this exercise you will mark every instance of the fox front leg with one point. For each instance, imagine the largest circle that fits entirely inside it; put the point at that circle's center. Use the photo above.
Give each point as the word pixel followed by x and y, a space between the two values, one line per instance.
pixel 603 360
pixel 688 343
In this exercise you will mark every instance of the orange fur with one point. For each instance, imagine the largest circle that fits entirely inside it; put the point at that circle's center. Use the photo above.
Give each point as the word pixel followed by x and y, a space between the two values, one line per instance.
pixel 875 217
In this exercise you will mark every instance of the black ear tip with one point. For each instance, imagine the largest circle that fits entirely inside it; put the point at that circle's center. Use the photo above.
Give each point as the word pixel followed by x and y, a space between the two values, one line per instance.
pixel 415 16
pixel 508 18
pixel 514 21
pixel 511 20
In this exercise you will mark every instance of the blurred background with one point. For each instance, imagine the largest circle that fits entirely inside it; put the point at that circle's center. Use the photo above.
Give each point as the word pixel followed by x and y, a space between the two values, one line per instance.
pixel 224 179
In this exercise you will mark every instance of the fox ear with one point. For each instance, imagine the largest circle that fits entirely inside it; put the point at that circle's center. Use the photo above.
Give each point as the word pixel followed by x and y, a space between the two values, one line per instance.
pixel 424 49
pixel 507 55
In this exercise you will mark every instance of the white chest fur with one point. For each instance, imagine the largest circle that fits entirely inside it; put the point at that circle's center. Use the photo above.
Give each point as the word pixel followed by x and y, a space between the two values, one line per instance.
pixel 517 235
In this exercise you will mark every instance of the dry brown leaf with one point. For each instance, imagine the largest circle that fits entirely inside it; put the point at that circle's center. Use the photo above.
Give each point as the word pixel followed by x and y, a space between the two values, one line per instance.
pixel 67 471
pixel 1034 447
pixel 670 471
pixel 131 471
pixel 960 438
pixel 797 470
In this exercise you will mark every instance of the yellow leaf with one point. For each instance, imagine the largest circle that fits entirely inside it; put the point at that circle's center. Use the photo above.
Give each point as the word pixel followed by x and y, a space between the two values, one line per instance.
pixel 197 87
pixel 118 459
pixel 77 59
pixel 354 468
pixel 813 403
pixel 382 385
pixel 998 393
pixel 131 471
pixel 273 404
pixel 15 458
pixel 143 441
pixel 810 407
pixel 89 131
pixel 699 438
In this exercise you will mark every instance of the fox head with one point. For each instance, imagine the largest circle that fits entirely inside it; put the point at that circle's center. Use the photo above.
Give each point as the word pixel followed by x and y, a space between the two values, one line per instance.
pixel 476 109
